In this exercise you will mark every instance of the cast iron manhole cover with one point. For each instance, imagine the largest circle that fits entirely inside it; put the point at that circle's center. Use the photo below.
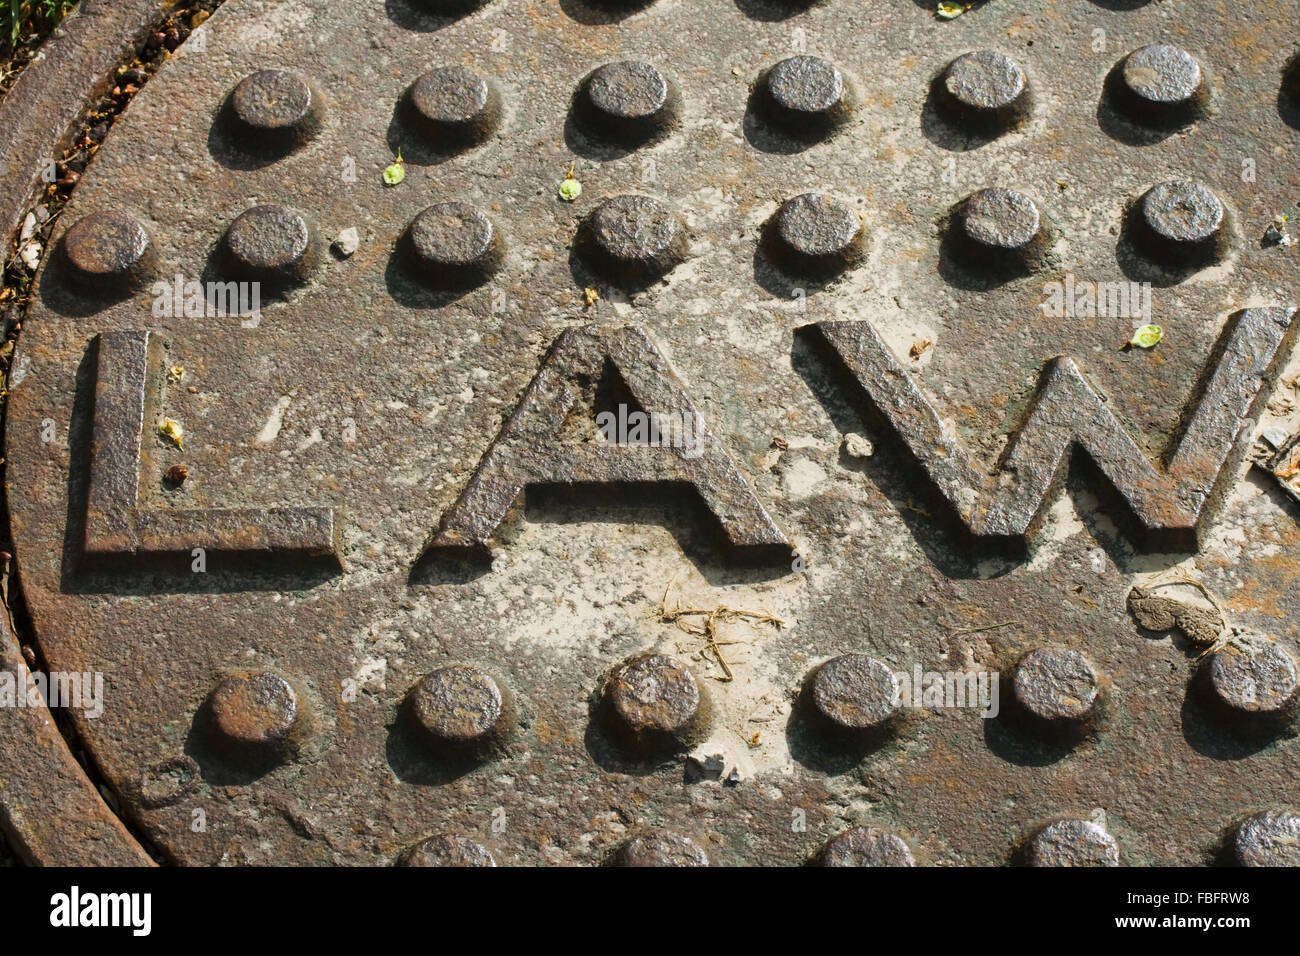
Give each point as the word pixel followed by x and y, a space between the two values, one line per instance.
pixel 387 570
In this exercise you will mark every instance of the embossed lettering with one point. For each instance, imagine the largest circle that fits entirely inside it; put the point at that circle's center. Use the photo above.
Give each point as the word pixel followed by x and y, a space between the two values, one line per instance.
pixel 117 525
pixel 1168 504
pixel 530 451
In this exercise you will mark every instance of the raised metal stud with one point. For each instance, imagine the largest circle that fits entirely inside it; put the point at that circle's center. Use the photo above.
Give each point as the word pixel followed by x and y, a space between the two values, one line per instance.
pixel 1056 686
pixel 453 245
pixel 806 97
pixel 1268 839
pixel 454 107
pixel 459 707
pixel 866 846
pixel 256 713
pixel 1074 843
pixel 448 850
pixel 987 90
pixel 1255 679
pixel 662 848
pixel 270 244
pixel 630 103
pixel 656 702
pixel 109 252
pixel 1161 84
pixel 633 240
pixel 275 110
pixel 855 692
pixel 1181 223
pixel 814 235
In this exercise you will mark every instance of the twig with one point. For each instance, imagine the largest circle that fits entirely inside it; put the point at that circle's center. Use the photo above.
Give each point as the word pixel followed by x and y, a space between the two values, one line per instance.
pixel 717 651
pixel 721 612
pixel 986 627
pixel 709 631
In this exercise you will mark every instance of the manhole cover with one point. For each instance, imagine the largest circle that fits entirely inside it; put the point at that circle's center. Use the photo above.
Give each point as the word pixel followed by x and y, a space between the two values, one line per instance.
pixel 706 517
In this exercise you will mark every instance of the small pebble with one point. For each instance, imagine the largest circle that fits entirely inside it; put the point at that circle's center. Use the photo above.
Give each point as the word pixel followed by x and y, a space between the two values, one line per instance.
pixel 858 446
pixel 1276 437
pixel 707 762
pixel 346 242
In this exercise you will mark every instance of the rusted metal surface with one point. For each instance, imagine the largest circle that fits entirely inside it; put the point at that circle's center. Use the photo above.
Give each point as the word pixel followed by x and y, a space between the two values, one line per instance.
pixel 1067 414
pixel 866 846
pixel 1074 843
pixel 38 114
pixel 531 451
pixel 909 451
pixel 115 524
pixel 50 811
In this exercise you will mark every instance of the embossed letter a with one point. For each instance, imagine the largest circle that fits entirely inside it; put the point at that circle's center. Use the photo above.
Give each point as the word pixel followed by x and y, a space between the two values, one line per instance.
pixel 530 450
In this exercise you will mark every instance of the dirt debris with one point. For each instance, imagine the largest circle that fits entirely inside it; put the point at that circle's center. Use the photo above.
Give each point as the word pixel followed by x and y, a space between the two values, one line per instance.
pixel 1158 608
